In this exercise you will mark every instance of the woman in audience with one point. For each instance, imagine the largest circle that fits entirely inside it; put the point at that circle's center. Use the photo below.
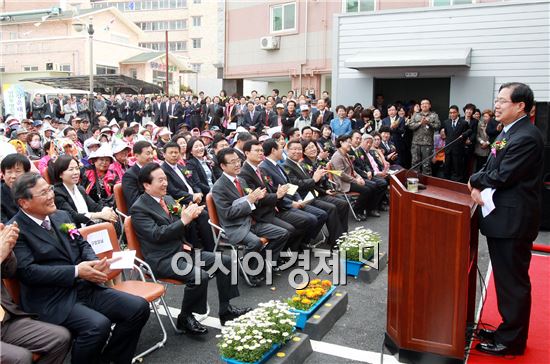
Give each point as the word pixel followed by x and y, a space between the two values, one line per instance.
pixel 353 117
pixel 325 141
pixel 366 117
pixel 181 140
pixel 90 145
pixel 483 145
pixel 378 154
pixel 71 197
pixel 121 163
pixel 97 180
pixel 199 165
pixel 163 138
pixel 34 146
pixel 340 125
pixel 19 146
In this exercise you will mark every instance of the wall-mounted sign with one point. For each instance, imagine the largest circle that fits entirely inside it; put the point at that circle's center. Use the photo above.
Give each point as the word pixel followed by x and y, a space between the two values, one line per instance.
pixel 411 74
pixel 162 67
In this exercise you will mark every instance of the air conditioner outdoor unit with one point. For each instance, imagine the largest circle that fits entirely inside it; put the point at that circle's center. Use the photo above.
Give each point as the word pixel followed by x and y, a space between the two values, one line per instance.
pixel 50 66
pixel 269 43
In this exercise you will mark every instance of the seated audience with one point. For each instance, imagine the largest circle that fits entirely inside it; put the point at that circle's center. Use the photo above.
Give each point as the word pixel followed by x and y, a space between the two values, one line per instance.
pixel 326 200
pixel 62 280
pixel 97 180
pixel 163 234
pixel 349 181
pixel 22 335
pixel 143 152
pixel 72 198
pixel 236 216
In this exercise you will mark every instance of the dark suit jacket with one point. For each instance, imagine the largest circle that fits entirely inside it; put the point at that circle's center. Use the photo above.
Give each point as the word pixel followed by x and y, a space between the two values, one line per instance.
pixel 127 110
pixel 255 121
pixel 130 185
pixel 235 219
pixel 9 266
pixel 327 117
pixel 176 187
pixel 52 110
pixel 199 176
pixel 64 201
pixel 278 177
pixel 452 134
pixel 516 174
pixel 8 207
pixel 161 236
pixel 46 267
pixel 397 134
pixel 265 208
pixel 303 180
pixel 156 111
pixel 473 137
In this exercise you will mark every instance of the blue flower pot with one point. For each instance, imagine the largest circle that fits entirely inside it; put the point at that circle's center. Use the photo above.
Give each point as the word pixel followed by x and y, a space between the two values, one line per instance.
pixel 303 316
pixel 263 359
pixel 353 268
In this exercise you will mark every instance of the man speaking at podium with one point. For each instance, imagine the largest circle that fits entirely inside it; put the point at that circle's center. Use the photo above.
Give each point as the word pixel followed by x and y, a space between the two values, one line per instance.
pixel 512 178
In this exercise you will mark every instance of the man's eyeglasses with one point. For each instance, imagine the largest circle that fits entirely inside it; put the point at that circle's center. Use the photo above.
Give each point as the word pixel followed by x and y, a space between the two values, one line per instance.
pixel 44 193
pixel 502 101
pixel 234 162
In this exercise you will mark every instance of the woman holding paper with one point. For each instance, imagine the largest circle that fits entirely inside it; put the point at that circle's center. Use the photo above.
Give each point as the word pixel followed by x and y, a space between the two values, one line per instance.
pixel 72 197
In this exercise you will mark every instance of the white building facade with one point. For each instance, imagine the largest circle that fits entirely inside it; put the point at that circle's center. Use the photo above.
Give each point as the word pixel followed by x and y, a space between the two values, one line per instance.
pixel 453 55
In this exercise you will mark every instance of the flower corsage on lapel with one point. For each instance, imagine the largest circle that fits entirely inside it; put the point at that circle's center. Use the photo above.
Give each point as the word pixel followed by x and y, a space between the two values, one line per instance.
pixel 267 180
pixel 175 209
pixel 187 173
pixel 498 145
pixel 69 229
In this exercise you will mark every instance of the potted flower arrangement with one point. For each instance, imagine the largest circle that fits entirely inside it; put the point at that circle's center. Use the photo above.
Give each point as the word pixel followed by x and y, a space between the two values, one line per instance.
pixel 357 245
pixel 306 301
pixel 257 335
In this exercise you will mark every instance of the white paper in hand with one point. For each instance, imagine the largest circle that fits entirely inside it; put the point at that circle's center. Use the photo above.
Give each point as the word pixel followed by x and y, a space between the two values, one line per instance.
pixel 124 259
pixel 99 241
pixel 309 197
pixel 291 189
pixel 488 204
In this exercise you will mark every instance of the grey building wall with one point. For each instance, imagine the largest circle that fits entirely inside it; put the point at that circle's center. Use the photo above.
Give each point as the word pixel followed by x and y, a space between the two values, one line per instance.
pixel 510 41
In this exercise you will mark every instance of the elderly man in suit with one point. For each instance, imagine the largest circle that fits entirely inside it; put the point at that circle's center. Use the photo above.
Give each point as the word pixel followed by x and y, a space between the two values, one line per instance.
pixel 185 190
pixel 336 208
pixel 322 116
pixel 235 203
pixel 252 119
pixel 163 233
pixel 62 280
pixel 513 174
pixel 350 181
pixel 21 335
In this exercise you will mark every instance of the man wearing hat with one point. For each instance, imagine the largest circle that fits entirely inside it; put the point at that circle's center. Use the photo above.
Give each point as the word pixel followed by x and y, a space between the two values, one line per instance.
pixel 304 119
pixel 83 131
pixel 37 126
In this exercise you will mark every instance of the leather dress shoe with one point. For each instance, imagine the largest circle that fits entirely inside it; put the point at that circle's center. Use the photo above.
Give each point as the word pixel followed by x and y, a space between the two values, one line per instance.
pixel 486 335
pixel 189 325
pixel 232 313
pixel 374 213
pixel 493 348
pixel 361 216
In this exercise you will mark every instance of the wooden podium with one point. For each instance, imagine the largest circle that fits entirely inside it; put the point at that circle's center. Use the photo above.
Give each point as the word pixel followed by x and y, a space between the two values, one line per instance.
pixel 432 268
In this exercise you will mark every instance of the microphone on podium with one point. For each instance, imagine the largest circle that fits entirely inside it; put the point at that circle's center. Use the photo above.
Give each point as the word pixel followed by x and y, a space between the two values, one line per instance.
pixel 466 134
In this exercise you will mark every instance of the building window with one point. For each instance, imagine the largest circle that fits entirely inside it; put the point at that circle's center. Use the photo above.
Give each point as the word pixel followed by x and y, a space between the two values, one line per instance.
pixel 30 68
pixel 283 17
pixel 355 6
pixel 153 26
pixel 2 69
pixel 65 67
pixel 196 21
pixel 451 2
pixel 196 67
pixel 106 70
pixel 140 5
pixel 196 43
pixel 161 46
pixel 196 1
pixel 13 35
pixel 133 72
